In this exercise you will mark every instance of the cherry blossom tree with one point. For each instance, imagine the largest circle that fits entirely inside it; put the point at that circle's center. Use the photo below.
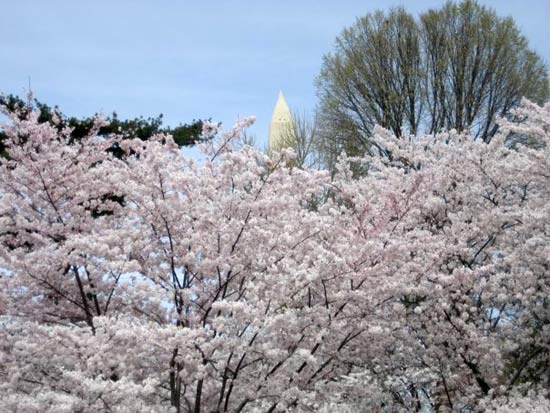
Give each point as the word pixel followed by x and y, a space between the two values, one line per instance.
pixel 467 312
pixel 240 283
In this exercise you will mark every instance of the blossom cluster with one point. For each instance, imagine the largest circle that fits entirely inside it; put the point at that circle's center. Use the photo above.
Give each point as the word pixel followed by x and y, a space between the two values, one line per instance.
pixel 153 282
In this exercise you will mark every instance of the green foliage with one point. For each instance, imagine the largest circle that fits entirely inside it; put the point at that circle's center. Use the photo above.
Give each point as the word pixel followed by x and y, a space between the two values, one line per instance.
pixel 185 134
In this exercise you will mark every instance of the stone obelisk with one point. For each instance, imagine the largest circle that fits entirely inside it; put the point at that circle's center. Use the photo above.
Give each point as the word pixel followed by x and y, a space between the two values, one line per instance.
pixel 281 128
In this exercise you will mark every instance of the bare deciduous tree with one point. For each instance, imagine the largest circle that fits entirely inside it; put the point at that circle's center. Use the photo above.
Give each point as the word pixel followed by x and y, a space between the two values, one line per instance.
pixel 458 67
pixel 302 136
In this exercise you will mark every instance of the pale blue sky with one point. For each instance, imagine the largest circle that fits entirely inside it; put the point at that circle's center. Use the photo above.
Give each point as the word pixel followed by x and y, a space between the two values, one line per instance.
pixel 191 59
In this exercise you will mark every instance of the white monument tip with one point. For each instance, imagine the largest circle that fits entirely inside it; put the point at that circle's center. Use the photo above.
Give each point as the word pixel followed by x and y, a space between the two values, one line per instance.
pixel 281 126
